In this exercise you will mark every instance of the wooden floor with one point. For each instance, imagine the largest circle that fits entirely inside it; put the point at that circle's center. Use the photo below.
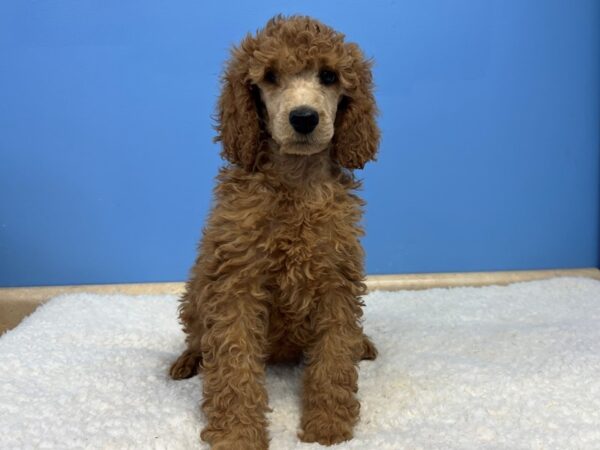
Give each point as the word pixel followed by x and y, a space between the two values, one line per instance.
pixel 17 303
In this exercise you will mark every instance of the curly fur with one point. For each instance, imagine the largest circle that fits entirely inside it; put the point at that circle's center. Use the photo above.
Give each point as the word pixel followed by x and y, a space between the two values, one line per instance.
pixel 279 273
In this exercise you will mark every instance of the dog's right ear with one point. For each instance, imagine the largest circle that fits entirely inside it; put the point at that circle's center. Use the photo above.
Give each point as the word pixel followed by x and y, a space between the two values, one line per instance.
pixel 238 122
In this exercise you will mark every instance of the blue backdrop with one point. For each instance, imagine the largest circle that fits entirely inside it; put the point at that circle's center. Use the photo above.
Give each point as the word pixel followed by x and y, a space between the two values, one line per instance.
pixel 490 117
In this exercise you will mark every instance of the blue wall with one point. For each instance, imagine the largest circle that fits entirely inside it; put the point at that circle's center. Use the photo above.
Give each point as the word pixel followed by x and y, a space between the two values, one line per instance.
pixel 490 116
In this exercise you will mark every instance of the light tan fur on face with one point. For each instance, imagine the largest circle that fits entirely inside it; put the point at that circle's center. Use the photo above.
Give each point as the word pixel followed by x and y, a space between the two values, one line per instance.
pixel 293 91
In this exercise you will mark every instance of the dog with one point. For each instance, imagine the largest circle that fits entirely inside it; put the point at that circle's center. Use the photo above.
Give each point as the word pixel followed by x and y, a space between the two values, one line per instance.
pixel 279 275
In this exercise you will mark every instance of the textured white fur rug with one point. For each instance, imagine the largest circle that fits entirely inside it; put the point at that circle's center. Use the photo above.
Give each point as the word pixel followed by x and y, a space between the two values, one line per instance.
pixel 496 367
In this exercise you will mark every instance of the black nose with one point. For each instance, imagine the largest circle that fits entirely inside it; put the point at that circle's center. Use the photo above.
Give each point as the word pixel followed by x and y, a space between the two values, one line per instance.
pixel 304 119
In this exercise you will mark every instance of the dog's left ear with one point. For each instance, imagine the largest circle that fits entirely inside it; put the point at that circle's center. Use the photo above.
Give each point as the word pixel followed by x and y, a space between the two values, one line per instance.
pixel 356 137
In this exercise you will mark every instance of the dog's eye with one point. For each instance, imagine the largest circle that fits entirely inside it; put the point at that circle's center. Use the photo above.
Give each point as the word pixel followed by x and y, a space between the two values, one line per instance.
pixel 327 77
pixel 270 77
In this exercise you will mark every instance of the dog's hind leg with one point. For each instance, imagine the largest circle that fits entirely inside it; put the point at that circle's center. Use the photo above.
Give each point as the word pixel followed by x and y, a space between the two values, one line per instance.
pixel 187 365
pixel 189 362
pixel 369 351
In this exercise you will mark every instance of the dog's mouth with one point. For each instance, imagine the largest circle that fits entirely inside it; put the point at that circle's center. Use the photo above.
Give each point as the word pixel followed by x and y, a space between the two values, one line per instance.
pixel 308 144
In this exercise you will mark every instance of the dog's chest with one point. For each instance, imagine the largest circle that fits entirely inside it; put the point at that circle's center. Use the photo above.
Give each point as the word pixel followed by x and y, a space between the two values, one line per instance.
pixel 304 226
pixel 300 244
pixel 306 235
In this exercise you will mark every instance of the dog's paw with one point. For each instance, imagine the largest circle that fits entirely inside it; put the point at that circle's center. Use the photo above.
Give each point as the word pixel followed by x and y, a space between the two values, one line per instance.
pixel 239 444
pixel 326 433
pixel 236 438
pixel 186 366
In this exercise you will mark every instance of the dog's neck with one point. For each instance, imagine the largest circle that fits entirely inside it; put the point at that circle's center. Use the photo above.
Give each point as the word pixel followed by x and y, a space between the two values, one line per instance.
pixel 299 170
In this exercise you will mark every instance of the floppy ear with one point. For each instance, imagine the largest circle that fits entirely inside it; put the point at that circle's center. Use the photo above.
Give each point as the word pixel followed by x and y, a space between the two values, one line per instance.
pixel 238 121
pixel 356 135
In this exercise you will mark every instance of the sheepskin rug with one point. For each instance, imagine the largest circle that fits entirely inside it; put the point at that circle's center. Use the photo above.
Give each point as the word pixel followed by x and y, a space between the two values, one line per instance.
pixel 465 368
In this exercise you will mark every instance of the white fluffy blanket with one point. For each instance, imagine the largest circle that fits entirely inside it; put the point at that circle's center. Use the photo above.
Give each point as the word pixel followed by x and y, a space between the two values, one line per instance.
pixel 495 367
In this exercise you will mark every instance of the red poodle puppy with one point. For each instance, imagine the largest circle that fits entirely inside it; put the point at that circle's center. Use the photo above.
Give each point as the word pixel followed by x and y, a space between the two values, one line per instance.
pixel 279 274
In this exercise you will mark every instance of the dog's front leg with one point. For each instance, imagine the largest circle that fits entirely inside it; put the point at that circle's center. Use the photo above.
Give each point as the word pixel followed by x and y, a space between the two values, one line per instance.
pixel 235 399
pixel 330 406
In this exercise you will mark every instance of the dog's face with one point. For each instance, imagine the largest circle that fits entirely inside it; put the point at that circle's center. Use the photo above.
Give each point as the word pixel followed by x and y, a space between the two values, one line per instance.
pixel 299 85
pixel 300 109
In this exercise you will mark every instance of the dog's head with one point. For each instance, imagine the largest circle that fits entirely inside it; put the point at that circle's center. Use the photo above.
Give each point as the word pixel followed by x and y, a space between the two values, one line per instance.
pixel 297 83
